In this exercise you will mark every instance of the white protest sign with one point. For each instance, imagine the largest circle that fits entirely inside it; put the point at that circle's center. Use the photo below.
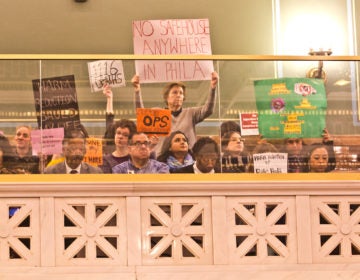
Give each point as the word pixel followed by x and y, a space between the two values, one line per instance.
pixel 47 141
pixel 172 37
pixel 270 163
pixel 106 72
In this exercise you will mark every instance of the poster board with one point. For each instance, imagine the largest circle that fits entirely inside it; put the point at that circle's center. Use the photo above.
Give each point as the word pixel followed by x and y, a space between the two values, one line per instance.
pixel 103 72
pixel 56 102
pixel 291 107
pixel 172 37
pixel 153 121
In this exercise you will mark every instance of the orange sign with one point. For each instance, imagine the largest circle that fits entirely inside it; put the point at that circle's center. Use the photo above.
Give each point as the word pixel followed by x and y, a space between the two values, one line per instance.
pixel 153 121
pixel 93 154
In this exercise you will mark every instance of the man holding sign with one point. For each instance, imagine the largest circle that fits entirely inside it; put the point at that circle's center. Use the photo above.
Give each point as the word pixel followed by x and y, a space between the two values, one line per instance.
pixel 183 119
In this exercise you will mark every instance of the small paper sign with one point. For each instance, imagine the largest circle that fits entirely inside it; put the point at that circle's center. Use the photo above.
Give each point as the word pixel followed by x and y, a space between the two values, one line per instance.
pixel 270 163
pixel 249 124
pixel 93 154
pixel 47 141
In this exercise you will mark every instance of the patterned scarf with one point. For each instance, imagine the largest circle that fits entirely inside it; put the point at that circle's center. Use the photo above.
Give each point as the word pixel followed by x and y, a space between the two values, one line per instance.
pixel 173 163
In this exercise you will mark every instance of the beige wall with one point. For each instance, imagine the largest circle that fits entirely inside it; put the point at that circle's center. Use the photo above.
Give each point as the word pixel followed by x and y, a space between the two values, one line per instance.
pixel 104 26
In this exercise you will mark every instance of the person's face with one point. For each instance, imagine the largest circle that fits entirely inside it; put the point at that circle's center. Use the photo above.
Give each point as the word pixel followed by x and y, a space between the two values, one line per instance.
pixel 236 143
pixel 74 151
pixel 22 137
pixel 293 146
pixel 206 158
pixel 121 136
pixel 1 157
pixel 318 161
pixel 179 144
pixel 139 148
pixel 175 97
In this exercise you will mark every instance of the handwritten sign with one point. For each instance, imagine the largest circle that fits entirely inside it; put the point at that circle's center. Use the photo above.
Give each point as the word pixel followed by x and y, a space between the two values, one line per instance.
pixel 249 124
pixel 106 72
pixel 93 154
pixel 270 163
pixel 56 102
pixel 153 121
pixel 47 141
pixel 172 37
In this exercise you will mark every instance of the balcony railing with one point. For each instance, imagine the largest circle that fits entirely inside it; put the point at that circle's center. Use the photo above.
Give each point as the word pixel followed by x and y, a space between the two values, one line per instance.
pixel 180 227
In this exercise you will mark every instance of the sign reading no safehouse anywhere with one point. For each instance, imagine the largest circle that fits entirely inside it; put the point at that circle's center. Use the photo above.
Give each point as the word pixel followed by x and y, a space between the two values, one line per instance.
pixel 172 37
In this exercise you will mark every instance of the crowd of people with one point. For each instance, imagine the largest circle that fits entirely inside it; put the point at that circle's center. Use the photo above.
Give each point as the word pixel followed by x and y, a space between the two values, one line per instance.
pixel 128 151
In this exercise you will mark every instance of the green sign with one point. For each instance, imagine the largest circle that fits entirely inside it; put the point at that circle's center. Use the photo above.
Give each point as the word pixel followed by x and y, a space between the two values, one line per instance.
pixel 291 107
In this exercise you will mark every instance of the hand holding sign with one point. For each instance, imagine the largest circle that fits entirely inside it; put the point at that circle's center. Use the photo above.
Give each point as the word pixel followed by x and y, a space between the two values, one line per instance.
pixel 136 82
pixel 104 72
pixel 171 37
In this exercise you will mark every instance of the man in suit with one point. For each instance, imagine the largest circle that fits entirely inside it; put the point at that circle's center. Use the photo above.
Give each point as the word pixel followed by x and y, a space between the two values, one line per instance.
pixel 74 149
pixel 206 155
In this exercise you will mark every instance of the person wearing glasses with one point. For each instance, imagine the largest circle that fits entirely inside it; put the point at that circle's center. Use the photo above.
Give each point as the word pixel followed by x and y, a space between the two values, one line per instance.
pixel 183 119
pixel 117 137
pixel 206 155
pixel 235 158
pixel 140 162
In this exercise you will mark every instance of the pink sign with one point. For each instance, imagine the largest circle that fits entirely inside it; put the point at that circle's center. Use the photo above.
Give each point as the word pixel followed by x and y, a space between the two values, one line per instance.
pixel 172 37
pixel 47 141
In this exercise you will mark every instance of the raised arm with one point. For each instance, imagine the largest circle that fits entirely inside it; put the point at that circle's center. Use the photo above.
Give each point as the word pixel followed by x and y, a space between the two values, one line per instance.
pixel 208 108
pixel 109 99
pixel 109 115
pixel 137 90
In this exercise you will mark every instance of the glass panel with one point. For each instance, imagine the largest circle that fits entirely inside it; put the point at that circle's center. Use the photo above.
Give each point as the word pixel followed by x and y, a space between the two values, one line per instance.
pixel 235 95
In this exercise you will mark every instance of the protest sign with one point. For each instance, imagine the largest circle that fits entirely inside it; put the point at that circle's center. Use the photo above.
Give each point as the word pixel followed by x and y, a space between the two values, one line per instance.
pixel 106 72
pixel 172 37
pixel 270 163
pixel 56 102
pixel 153 121
pixel 93 154
pixel 47 141
pixel 249 124
pixel 291 107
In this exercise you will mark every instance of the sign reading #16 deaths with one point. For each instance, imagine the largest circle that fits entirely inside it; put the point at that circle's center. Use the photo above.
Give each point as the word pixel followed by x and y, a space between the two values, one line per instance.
pixel 291 107
pixel 153 121
pixel 56 102
pixel 172 37
pixel 103 72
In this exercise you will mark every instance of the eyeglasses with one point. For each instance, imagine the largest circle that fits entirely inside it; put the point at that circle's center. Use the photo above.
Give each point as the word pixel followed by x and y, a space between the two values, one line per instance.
pixel 138 144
